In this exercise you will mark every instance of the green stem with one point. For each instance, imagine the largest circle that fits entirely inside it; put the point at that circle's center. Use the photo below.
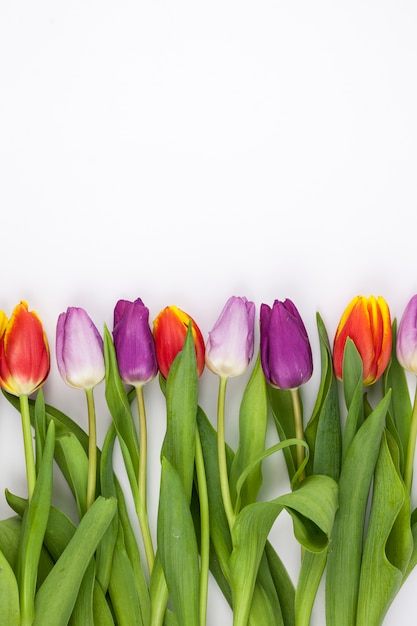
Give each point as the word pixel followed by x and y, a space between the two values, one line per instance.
pixel 221 451
pixel 141 508
pixel 299 429
pixel 409 461
pixel 28 445
pixel 92 449
pixel 205 528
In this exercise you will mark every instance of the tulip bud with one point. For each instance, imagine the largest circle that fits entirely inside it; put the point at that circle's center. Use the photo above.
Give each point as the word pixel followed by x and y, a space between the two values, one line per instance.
pixel 286 356
pixel 134 343
pixel 407 337
pixel 169 331
pixel 229 348
pixel 79 349
pixel 24 352
pixel 367 322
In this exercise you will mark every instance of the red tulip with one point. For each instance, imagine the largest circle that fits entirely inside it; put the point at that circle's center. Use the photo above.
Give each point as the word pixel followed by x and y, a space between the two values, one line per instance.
pixel 169 330
pixel 24 352
pixel 368 324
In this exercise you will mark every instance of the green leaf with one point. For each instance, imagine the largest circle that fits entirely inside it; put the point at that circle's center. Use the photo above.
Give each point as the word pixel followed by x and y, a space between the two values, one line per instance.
pixel 345 551
pixel 252 433
pixel 177 545
pixel 181 402
pixel 119 407
pixel 82 614
pixel 389 542
pixel 40 427
pixel 283 585
pixel 122 589
pixel 73 462
pixel 353 391
pixel 400 410
pixel 9 537
pixel 101 609
pixel 312 507
pixel 311 572
pixel 105 550
pixel 9 594
pixel 56 597
pixel 34 523
pixel 323 431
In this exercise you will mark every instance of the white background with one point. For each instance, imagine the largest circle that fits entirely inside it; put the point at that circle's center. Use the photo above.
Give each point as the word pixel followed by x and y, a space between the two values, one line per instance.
pixel 183 152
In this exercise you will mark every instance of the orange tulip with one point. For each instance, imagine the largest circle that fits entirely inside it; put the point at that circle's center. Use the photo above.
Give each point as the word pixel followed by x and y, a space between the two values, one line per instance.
pixel 368 324
pixel 169 330
pixel 24 352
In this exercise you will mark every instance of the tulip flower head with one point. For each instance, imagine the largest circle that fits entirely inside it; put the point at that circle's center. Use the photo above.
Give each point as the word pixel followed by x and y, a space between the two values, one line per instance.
pixel 286 356
pixel 229 348
pixel 134 343
pixel 169 330
pixel 79 349
pixel 24 352
pixel 367 322
pixel 407 337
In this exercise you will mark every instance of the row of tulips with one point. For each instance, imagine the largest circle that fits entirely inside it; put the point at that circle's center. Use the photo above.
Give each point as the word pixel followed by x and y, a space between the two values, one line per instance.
pixel 332 459
pixel 286 355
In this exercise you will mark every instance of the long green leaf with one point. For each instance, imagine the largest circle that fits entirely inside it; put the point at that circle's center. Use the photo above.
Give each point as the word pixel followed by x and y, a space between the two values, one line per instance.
pixel 383 565
pixel 34 523
pixel 345 550
pixel 353 391
pixel 56 597
pixel 122 589
pixel 400 409
pixel 73 462
pixel 177 546
pixel 252 433
pixel 323 431
pixel 182 402
pixel 118 403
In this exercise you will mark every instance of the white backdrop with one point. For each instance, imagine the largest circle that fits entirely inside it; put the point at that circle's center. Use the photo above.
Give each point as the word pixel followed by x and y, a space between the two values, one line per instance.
pixel 183 152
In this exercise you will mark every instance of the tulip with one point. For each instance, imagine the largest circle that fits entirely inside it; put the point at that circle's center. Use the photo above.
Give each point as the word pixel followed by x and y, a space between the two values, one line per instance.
pixel 24 352
pixel 170 329
pixel 79 349
pixel 407 337
pixel 80 359
pixel 229 348
pixel 134 343
pixel 286 356
pixel 367 322
pixel 24 367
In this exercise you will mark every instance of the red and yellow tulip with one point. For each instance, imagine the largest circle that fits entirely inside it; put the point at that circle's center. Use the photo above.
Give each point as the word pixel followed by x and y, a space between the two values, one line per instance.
pixel 367 322
pixel 24 351
pixel 169 330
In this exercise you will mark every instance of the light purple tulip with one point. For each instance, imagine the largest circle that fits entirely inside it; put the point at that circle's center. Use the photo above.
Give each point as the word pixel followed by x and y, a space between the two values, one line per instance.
pixel 79 349
pixel 134 343
pixel 229 348
pixel 407 337
pixel 286 356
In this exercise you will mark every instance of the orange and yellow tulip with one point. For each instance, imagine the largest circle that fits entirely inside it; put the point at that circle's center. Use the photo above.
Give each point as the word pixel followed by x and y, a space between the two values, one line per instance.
pixel 24 352
pixel 169 330
pixel 367 322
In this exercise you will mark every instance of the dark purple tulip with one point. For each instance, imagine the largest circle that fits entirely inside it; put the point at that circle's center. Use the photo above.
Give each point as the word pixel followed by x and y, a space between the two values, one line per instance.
pixel 134 343
pixel 286 355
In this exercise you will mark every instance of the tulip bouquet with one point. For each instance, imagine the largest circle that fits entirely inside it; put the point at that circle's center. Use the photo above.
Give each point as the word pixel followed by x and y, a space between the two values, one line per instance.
pixel 349 467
